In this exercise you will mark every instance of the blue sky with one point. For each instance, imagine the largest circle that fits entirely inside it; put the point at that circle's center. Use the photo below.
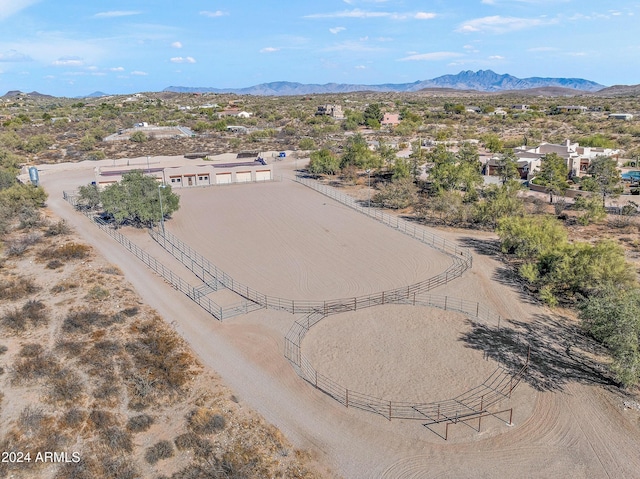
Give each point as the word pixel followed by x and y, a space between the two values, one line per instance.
pixel 71 48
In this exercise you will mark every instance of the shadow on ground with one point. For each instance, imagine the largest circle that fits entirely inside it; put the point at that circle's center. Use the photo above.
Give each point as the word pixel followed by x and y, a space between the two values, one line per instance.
pixel 560 353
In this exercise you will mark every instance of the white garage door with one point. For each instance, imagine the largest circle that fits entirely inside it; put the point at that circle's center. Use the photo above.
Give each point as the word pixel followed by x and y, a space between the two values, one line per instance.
pixel 223 178
pixel 263 175
pixel 243 176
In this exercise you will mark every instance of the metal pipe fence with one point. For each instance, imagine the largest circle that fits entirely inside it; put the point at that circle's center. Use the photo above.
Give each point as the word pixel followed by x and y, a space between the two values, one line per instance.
pixel 196 294
pixel 473 403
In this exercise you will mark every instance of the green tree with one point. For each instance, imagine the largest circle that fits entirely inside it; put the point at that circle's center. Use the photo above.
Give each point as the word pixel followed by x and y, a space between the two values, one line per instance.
pixel 401 168
pixel 508 166
pixel 88 196
pixel 136 199
pixel 138 137
pixel 358 154
pixel 307 144
pixel 397 194
pixel 604 177
pixel 372 115
pixel 612 318
pixel 530 236
pixel 499 202
pixel 594 211
pixel 323 162
pixel 492 142
pixel 553 174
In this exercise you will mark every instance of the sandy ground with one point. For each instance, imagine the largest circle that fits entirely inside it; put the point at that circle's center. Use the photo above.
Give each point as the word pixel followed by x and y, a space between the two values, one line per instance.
pixel 566 422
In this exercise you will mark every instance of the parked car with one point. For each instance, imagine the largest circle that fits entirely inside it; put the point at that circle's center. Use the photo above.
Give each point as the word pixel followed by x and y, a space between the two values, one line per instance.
pixel 633 176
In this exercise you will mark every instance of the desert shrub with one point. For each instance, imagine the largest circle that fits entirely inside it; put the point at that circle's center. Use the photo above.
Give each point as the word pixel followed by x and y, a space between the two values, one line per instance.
pixel 54 264
pixel 111 269
pixel 201 447
pixel 35 310
pixel 73 418
pixel 63 286
pixel 65 386
pixel 83 469
pixel 160 352
pixel 70 348
pixel 67 252
pixel 396 195
pixel 102 420
pixel 3 349
pixel 107 390
pixel 31 350
pixel 18 246
pixel 84 321
pixel 118 468
pixel 58 228
pixel 205 421
pixel 15 320
pixel 29 217
pixel 97 293
pixel 28 369
pixel 139 423
pixel 160 450
pixel 130 312
pixel 116 439
pixel 30 421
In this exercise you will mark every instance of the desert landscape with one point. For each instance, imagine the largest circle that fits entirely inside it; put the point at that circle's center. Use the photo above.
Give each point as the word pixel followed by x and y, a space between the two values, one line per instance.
pixel 566 402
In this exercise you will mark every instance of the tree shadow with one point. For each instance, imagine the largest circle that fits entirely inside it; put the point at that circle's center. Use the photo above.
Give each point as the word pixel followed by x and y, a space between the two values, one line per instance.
pixel 559 352
pixel 484 247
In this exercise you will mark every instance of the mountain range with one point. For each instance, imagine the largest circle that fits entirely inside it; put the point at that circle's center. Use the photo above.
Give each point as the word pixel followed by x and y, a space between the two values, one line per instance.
pixel 482 81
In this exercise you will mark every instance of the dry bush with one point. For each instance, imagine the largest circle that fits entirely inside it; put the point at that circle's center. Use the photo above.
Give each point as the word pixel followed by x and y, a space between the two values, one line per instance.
pixel 118 468
pixel 139 423
pixel 65 386
pixel 84 321
pixel 97 293
pixel 54 264
pixel 70 348
pixel 130 312
pixel 58 228
pixel 190 441
pixel 31 420
pixel 67 252
pixel 73 419
pixel 3 349
pixel 102 420
pixel 14 289
pixel 111 269
pixel 159 351
pixel 28 369
pixel 160 450
pixel 29 218
pixel 117 440
pixel 31 350
pixel 84 469
pixel 32 312
pixel 63 286
pixel 107 390
pixel 205 421
pixel 18 246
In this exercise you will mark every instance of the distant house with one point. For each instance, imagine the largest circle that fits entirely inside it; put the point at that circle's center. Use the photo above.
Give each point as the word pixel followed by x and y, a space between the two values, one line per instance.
pixel 234 112
pixel 473 109
pixel 571 109
pixel 334 111
pixel 578 157
pixel 621 116
pixel 520 107
pixel 390 119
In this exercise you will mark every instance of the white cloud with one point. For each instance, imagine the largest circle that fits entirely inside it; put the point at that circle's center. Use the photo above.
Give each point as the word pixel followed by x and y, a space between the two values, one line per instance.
pixel 176 45
pixel 14 56
pixel 11 7
pixel 496 57
pixel 68 62
pixel 360 67
pixel 269 50
pixel 217 13
pixel 352 46
pixel 139 73
pixel 117 13
pixel 116 69
pixel 337 30
pixel 183 60
pixel 499 24
pixel 433 56
pixel 425 16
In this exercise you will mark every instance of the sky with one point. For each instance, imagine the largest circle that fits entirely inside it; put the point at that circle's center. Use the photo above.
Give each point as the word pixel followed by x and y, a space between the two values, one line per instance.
pixel 70 48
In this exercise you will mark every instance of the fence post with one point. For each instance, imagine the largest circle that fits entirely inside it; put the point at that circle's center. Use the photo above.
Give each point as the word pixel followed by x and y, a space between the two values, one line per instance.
pixel 389 410
pixel 477 309
pixel 445 303
pixel 347 398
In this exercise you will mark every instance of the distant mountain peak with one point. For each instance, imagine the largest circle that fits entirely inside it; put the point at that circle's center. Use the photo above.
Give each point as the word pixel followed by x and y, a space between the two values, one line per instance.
pixel 481 80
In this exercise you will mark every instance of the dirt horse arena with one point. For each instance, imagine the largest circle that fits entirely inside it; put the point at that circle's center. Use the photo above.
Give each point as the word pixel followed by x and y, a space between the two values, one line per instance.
pixel 286 240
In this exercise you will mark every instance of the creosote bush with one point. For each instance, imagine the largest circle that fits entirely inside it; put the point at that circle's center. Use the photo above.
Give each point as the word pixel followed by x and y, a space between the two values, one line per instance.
pixel 205 421
pixel 16 288
pixel 139 423
pixel 160 450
